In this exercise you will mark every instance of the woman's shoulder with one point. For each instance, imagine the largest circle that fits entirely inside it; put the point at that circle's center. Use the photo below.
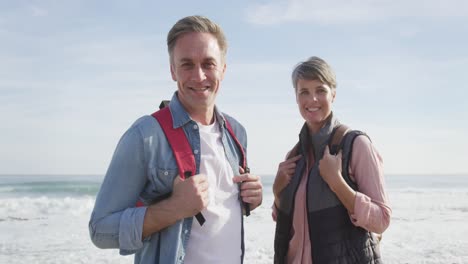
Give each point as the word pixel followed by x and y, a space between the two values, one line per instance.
pixel 363 147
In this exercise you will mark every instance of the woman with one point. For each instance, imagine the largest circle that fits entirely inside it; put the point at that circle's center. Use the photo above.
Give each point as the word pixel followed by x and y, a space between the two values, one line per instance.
pixel 325 213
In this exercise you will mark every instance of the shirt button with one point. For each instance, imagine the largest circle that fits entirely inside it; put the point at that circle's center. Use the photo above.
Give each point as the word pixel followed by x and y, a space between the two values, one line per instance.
pixel 185 231
pixel 166 173
pixel 195 151
pixel 195 127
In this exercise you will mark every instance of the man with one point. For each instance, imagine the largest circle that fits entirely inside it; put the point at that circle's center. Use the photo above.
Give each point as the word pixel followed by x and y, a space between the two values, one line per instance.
pixel 143 168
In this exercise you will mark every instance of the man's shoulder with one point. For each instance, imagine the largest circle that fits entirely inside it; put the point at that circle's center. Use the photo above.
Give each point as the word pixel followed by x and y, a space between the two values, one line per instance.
pixel 146 120
pixel 237 128
pixel 236 125
pixel 146 125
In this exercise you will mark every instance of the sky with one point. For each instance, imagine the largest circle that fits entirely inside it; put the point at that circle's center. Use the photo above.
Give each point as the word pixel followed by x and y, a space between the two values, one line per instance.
pixel 75 75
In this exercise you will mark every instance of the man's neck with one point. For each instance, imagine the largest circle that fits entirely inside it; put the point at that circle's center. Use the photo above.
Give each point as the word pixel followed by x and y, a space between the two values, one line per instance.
pixel 204 117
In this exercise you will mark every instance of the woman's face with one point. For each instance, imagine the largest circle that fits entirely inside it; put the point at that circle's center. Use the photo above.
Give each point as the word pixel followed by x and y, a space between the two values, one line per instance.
pixel 314 99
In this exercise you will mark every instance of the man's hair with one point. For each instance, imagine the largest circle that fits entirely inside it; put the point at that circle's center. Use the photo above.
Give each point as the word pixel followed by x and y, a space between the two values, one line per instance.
pixel 314 69
pixel 199 24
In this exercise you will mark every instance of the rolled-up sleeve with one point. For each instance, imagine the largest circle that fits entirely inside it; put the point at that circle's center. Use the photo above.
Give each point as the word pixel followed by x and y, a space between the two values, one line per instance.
pixel 371 208
pixel 131 229
pixel 115 221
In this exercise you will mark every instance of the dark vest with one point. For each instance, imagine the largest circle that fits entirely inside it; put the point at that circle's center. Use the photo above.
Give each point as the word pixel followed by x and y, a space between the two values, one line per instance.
pixel 334 239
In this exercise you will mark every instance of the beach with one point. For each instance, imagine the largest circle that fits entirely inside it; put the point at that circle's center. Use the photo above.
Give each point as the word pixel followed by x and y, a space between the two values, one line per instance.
pixel 44 219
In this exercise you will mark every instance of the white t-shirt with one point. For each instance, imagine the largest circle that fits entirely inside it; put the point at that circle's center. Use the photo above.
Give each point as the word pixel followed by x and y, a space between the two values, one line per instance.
pixel 219 239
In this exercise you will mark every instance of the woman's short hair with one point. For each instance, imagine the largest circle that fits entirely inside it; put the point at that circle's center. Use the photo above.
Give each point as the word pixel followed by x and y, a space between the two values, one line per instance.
pixel 314 69
pixel 199 24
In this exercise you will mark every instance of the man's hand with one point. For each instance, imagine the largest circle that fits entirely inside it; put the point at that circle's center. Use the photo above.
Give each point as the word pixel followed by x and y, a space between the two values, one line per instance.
pixel 190 196
pixel 251 188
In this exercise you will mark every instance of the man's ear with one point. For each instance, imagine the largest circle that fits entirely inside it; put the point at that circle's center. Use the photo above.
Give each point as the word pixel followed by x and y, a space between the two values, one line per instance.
pixel 223 71
pixel 174 77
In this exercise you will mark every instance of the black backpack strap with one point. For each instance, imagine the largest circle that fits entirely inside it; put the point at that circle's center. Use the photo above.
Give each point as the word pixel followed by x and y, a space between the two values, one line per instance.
pixel 342 138
pixel 347 143
pixel 164 103
pixel 336 138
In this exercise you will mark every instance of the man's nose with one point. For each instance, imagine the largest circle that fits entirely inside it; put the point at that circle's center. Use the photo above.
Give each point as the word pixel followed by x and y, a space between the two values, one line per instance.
pixel 198 74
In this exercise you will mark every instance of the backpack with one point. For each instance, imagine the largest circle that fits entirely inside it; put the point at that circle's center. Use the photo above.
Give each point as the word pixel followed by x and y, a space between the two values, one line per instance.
pixel 182 150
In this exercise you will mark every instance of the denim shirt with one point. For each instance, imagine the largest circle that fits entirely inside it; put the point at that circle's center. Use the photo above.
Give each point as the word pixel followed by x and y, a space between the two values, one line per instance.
pixel 143 168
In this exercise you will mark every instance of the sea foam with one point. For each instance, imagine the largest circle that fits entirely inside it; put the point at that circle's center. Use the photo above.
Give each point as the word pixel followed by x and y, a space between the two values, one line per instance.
pixel 428 224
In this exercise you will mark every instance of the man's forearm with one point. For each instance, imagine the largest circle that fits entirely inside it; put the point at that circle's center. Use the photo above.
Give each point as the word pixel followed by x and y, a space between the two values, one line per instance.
pixel 159 216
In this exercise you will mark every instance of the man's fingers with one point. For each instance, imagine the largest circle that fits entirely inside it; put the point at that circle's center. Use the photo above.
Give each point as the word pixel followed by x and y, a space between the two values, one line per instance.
pixel 254 185
pixel 245 177
pixel 198 181
pixel 199 178
pixel 251 193
pixel 177 180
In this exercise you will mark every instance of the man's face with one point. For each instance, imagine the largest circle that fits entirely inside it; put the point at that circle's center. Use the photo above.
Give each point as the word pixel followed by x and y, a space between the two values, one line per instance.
pixel 198 68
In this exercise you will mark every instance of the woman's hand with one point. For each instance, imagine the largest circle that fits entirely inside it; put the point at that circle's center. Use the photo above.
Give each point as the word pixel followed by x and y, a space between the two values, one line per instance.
pixel 330 168
pixel 285 172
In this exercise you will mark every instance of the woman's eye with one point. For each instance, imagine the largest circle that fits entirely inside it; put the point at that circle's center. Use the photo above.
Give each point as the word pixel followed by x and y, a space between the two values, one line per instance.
pixel 322 91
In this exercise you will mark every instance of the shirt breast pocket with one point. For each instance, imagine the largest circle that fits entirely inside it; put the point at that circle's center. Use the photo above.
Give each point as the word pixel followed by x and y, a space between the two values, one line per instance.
pixel 162 181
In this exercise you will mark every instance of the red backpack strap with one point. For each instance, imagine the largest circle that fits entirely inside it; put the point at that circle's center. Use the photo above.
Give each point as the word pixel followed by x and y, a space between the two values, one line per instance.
pixel 239 145
pixel 178 142
pixel 180 147
pixel 243 160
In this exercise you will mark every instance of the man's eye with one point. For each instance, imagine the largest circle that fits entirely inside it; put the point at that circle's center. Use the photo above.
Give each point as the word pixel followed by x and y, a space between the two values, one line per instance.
pixel 209 65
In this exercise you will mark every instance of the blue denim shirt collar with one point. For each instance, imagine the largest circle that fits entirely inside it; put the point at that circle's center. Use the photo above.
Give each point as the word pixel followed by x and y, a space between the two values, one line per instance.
pixel 180 117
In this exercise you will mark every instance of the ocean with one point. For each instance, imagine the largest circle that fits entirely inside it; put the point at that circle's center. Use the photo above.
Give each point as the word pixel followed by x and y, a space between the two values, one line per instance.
pixel 44 219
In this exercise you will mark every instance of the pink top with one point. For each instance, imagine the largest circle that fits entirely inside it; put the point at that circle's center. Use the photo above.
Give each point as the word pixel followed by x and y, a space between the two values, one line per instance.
pixel 371 209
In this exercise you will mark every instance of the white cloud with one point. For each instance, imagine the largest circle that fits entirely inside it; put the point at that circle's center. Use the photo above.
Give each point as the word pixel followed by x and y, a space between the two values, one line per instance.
pixel 345 11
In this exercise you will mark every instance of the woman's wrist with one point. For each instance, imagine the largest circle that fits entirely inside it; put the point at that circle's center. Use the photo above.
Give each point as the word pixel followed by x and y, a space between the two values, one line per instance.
pixel 276 202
